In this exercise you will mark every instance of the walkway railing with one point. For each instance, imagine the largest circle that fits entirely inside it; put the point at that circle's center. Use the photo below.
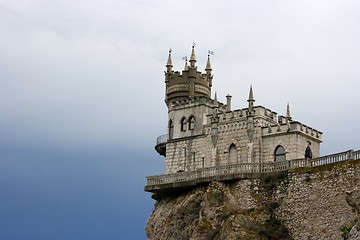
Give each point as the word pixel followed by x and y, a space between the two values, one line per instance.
pixel 240 171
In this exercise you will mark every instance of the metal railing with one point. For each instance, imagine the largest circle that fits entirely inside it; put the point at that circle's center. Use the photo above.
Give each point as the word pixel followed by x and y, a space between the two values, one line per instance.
pixel 162 139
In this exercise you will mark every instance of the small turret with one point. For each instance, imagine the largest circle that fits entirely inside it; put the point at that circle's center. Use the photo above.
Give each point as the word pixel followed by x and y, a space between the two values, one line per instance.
pixel 169 65
pixel 208 69
pixel 228 102
pixel 288 116
pixel 250 119
pixel 188 84
pixel 192 57
pixel 251 100
pixel 186 64
pixel 208 66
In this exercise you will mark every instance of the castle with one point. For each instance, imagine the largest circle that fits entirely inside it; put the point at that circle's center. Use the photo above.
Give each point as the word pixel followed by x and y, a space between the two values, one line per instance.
pixel 205 133
pixel 254 168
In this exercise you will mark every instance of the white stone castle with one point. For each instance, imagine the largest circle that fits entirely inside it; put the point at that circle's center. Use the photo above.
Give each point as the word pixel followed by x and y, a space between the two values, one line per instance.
pixel 202 132
pixel 208 141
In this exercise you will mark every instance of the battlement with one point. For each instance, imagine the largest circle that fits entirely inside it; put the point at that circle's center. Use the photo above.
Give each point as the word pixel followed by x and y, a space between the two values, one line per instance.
pixel 292 126
pixel 196 101
pixel 260 112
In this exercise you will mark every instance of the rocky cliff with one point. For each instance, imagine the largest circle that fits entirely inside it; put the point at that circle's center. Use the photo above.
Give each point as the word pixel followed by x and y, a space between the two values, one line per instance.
pixel 308 203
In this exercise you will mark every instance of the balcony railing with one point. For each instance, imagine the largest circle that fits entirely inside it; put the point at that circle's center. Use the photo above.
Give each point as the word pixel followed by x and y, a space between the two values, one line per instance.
pixel 162 139
pixel 160 146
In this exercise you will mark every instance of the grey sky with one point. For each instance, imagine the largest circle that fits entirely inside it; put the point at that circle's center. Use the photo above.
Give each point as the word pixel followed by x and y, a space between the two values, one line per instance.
pixel 91 72
pixel 82 96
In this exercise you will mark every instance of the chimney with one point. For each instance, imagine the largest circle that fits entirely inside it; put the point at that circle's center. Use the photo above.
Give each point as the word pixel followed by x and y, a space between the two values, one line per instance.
pixel 228 103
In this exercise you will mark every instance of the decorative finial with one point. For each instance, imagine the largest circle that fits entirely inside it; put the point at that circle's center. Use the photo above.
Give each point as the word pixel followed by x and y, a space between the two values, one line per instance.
pixel 186 63
pixel 215 99
pixel 288 115
pixel 169 62
pixel 251 95
pixel 192 57
pixel 251 101
pixel 208 64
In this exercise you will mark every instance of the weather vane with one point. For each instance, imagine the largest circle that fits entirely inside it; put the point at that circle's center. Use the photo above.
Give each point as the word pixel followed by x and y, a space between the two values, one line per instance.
pixel 210 53
pixel 184 58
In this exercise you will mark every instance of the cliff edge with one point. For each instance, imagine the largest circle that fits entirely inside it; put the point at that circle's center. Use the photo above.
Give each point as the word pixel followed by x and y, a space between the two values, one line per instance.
pixel 308 203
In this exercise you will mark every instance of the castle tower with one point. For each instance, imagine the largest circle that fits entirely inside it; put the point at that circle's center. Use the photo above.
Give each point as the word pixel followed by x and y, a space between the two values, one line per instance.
pixel 189 83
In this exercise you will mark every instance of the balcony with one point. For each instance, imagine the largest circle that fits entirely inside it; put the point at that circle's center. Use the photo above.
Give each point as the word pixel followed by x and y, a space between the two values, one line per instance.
pixel 160 146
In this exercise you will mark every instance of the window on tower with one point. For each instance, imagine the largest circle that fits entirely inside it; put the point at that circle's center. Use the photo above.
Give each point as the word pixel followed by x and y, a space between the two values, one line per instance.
pixel 191 123
pixel 183 124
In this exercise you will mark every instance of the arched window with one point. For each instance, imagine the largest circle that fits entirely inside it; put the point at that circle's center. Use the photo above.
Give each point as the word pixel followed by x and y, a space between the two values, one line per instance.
pixel 280 154
pixel 171 129
pixel 233 154
pixel 191 123
pixel 183 124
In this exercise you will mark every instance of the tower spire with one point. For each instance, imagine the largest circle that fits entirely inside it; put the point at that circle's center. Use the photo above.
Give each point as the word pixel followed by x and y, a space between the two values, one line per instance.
pixel 186 63
pixel 208 65
pixel 169 62
pixel 288 115
pixel 192 57
pixel 251 99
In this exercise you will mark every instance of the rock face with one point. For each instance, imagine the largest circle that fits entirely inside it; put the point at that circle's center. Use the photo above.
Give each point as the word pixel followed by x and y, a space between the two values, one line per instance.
pixel 218 211
pixel 317 203
pixel 353 199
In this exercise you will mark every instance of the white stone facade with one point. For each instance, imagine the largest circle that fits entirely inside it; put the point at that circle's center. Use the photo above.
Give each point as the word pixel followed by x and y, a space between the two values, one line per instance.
pixel 203 132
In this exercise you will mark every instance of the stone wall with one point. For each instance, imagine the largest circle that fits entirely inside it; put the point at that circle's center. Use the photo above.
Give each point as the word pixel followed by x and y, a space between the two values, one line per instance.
pixel 312 202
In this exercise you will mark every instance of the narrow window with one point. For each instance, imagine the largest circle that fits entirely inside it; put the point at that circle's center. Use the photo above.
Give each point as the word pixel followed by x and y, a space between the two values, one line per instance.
pixel 280 154
pixel 191 123
pixel 233 154
pixel 171 129
pixel 183 124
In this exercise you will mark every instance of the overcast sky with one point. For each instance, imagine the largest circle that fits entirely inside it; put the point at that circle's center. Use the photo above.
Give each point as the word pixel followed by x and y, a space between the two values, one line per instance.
pixel 82 96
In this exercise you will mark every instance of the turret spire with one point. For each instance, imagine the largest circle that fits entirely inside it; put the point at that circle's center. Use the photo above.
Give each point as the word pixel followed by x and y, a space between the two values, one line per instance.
pixel 186 63
pixel 251 95
pixel 208 65
pixel 169 62
pixel 251 100
pixel 215 99
pixel 192 57
pixel 288 115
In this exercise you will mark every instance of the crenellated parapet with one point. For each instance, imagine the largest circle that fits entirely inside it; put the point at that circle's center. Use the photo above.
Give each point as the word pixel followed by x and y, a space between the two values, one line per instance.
pixel 292 127
pixel 196 101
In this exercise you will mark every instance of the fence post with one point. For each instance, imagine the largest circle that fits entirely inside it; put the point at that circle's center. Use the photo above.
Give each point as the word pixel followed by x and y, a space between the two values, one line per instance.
pixel 350 154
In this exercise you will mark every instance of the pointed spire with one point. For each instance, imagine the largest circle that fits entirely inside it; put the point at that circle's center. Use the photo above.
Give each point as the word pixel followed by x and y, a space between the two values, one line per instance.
pixel 251 95
pixel 208 64
pixel 186 64
pixel 251 101
pixel 215 99
pixel 192 57
pixel 169 62
pixel 288 115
